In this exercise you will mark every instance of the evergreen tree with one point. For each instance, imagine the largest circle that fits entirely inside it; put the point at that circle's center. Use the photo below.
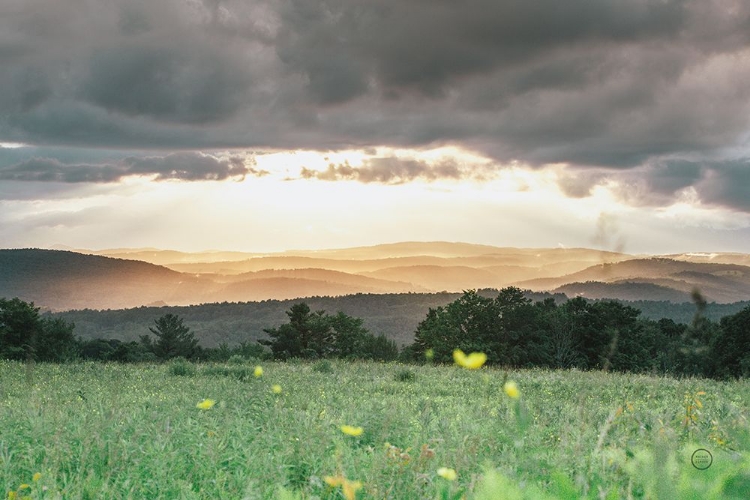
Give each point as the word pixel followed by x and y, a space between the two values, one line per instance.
pixel 321 335
pixel 24 334
pixel 307 335
pixel 173 338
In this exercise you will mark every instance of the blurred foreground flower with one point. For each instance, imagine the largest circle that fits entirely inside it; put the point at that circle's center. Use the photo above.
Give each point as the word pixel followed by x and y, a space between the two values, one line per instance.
pixel 511 389
pixel 206 404
pixel 276 388
pixel 258 372
pixel 349 488
pixel 447 473
pixel 473 361
pixel 350 430
pixel 36 477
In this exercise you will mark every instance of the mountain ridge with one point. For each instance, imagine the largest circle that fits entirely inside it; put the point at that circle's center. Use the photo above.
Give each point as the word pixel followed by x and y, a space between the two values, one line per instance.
pixel 64 279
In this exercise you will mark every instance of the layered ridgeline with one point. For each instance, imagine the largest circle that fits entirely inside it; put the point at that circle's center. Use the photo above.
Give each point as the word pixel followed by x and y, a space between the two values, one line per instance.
pixel 115 279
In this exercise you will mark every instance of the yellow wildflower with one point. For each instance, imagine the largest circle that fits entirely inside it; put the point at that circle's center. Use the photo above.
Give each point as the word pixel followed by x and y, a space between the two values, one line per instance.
pixel 276 388
pixel 12 495
pixel 206 404
pixel 258 372
pixel 24 486
pixel 447 473
pixel 332 481
pixel 459 357
pixel 350 430
pixel 37 476
pixel 511 389
pixel 473 361
pixel 349 488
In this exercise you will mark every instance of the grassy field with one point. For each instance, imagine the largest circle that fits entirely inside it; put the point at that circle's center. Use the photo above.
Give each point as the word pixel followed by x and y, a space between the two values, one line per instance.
pixel 123 431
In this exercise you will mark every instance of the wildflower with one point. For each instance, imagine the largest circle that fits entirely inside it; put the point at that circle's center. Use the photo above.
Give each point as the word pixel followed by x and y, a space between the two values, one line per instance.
pixel 24 486
pixel 350 430
pixel 37 476
pixel 258 372
pixel 472 361
pixel 459 357
pixel 276 388
pixel 206 404
pixel 429 354
pixel 332 481
pixel 12 495
pixel 349 488
pixel 511 389
pixel 447 473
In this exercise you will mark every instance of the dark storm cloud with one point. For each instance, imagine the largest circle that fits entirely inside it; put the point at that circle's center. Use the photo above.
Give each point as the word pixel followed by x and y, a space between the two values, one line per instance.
pixel 393 170
pixel 727 183
pixel 191 167
pixel 616 87
pixel 715 183
pixel 52 170
pixel 649 184
pixel 424 45
pixel 167 85
pixel 177 166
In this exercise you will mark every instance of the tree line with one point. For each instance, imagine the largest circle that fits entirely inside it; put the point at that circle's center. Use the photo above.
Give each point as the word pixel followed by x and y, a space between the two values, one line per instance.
pixel 511 329
pixel 27 335
pixel 394 315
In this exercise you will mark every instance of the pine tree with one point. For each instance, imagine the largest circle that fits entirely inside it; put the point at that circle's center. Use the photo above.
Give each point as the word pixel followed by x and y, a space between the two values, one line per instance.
pixel 173 338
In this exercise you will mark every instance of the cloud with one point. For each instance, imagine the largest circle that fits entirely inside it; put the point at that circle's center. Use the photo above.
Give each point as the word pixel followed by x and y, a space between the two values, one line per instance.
pixel 191 167
pixel 187 166
pixel 714 183
pixel 52 170
pixel 395 170
pixel 426 47
pixel 726 184
pixel 603 87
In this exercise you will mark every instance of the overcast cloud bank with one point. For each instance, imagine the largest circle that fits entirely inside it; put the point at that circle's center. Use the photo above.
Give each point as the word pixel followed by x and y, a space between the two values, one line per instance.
pixel 647 96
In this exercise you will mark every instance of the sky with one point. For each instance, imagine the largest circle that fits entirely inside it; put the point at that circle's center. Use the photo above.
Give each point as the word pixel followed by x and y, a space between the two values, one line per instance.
pixel 268 125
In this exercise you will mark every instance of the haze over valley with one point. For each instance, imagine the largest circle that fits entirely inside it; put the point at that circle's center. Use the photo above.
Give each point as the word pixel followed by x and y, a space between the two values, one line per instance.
pixel 114 279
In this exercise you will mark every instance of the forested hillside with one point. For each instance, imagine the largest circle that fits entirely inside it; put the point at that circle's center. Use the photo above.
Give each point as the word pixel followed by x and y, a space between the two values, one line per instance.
pixel 394 315
pixel 55 279
pixel 63 280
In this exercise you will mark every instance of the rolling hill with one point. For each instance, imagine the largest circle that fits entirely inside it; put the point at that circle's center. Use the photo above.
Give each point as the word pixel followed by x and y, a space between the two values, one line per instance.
pixel 63 280
pixel 57 280
pixel 654 278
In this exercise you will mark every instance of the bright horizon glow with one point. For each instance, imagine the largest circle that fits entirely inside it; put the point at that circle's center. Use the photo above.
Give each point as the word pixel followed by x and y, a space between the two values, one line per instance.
pixel 506 206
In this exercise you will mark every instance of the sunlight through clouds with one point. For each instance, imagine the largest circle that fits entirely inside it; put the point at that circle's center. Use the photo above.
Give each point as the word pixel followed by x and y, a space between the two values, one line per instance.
pixel 506 205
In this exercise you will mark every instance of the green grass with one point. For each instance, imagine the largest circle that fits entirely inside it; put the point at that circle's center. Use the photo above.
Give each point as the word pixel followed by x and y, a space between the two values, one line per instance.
pixel 123 431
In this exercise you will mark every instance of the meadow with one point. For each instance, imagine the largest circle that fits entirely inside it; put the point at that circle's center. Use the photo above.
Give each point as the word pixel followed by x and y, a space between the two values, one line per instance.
pixel 335 429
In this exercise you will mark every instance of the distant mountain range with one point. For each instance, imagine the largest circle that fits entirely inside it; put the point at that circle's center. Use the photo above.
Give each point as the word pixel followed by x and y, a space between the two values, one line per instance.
pixel 125 278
